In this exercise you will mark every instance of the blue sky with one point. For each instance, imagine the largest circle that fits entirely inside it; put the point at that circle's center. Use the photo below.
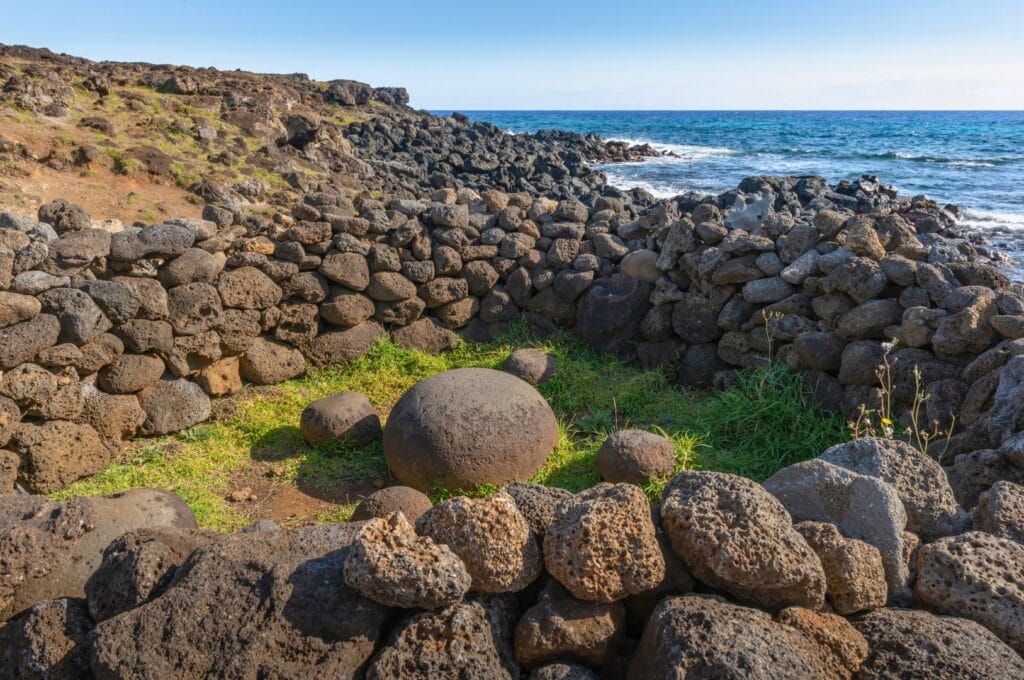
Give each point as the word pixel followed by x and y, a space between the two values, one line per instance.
pixel 643 54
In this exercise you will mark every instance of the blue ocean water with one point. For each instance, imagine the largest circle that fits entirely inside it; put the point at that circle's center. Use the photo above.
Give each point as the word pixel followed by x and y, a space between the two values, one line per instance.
pixel 972 158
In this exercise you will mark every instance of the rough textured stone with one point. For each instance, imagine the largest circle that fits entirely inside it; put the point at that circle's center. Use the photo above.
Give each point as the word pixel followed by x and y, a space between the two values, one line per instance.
pixel 115 417
pixel 468 426
pixel 22 341
pixel 221 378
pixel 734 535
pixel 538 503
pixel 977 576
pixel 57 452
pixel 861 507
pixel 248 288
pixel 340 347
pixel 138 566
pixel 425 335
pixel 705 637
pixel 854 573
pixel 50 549
pixel 908 644
pixel 16 308
pixel 932 510
pixel 268 361
pixel 560 626
pixel 193 308
pixel 290 613
pixel 130 373
pixel 635 457
pixel 173 405
pixel 1000 511
pixel 347 417
pixel 470 640
pixel 404 499
pixel 562 671
pixel 490 536
pixel 610 314
pixel 49 641
pixel 602 544
pixel 974 473
pixel 389 564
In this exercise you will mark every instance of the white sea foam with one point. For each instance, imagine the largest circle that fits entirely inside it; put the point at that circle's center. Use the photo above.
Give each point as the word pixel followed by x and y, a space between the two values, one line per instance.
pixel 989 220
pixel 688 152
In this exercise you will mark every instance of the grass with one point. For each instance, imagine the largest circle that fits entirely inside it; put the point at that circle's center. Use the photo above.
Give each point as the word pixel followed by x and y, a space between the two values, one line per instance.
pixel 753 428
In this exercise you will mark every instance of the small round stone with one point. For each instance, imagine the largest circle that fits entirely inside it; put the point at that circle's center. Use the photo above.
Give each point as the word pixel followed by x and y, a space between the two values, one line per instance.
pixel 345 417
pixel 535 366
pixel 404 499
pixel 635 457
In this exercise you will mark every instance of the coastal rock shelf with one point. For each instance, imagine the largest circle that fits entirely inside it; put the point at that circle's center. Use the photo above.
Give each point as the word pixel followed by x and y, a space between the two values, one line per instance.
pixel 373 220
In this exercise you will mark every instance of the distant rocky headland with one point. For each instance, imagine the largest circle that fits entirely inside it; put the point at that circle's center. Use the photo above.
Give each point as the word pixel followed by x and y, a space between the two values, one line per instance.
pixel 168 234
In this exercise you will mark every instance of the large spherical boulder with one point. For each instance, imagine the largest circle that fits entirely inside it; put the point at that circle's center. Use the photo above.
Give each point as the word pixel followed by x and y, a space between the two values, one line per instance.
pixel 467 427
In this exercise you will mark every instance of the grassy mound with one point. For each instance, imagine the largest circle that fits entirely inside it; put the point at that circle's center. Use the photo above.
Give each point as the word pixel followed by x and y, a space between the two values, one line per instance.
pixel 757 426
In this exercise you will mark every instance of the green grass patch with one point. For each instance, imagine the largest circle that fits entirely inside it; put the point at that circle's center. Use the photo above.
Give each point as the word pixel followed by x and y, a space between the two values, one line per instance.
pixel 757 426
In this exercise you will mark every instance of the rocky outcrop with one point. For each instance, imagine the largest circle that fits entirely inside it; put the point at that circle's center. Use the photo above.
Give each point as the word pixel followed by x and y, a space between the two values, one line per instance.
pixel 49 550
pixel 267 603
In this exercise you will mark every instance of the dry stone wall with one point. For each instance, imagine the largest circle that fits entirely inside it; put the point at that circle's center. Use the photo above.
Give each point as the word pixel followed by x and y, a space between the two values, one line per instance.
pixel 109 331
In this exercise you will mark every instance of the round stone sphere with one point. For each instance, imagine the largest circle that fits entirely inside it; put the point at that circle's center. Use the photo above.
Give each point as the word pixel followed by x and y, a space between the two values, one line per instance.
pixel 535 366
pixel 404 499
pixel 466 427
pixel 346 416
pixel 635 457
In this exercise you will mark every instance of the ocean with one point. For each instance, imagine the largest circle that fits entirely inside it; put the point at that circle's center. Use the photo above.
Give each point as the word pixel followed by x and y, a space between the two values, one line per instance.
pixel 974 159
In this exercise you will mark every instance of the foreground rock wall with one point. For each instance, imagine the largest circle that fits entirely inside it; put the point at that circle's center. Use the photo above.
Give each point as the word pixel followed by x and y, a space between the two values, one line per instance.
pixel 109 331
pixel 808 576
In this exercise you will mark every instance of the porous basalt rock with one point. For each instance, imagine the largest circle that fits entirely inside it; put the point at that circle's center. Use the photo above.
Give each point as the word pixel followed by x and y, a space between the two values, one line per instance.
pixel 861 507
pixel 636 457
pixel 602 545
pixel 471 640
pixel 977 576
pixel 50 549
pixel 490 536
pixel 854 573
pixel 389 564
pixel 702 636
pixel 291 612
pixel 732 534
pixel 561 626
pixel 932 510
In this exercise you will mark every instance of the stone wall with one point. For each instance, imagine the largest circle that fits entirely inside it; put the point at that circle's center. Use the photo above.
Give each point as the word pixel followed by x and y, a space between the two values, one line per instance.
pixel 109 331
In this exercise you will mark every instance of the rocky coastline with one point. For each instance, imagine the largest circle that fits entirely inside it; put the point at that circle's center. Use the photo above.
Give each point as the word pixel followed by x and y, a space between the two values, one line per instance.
pixel 876 559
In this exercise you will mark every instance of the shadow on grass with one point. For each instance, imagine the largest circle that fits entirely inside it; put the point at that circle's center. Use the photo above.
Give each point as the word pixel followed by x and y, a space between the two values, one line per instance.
pixel 332 471
pixel 280 443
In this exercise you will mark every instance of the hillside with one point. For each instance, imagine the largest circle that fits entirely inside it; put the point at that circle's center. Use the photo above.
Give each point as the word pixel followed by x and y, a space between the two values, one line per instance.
pixel 142 142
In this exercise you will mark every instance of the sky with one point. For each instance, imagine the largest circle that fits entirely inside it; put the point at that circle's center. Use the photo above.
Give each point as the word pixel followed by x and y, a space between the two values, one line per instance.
pixel 594 54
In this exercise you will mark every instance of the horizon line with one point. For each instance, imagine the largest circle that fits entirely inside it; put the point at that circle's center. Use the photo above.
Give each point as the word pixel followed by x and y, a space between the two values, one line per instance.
pixel 723 110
